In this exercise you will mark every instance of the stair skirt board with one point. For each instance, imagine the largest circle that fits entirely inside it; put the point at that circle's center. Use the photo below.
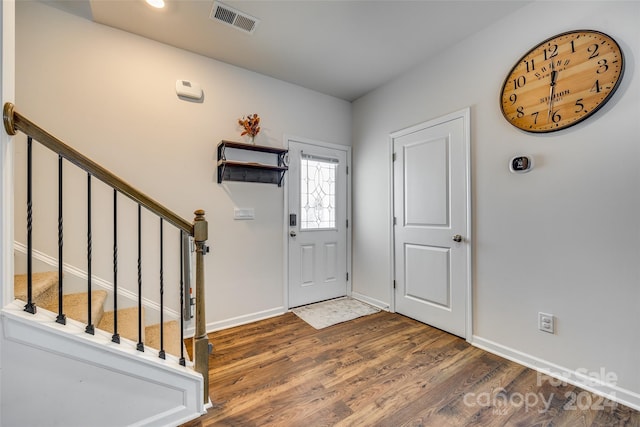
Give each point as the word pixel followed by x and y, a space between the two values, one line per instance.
pixel 86 362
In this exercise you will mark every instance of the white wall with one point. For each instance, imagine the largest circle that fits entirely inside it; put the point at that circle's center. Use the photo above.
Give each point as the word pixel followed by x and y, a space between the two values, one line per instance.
pixel 111 95
pixel 564 238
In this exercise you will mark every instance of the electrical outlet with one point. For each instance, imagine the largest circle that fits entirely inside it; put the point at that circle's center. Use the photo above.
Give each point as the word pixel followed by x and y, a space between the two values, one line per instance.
pixel 546 322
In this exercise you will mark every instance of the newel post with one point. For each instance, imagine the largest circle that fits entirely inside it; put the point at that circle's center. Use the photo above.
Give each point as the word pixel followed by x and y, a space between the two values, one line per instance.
pixel 200 340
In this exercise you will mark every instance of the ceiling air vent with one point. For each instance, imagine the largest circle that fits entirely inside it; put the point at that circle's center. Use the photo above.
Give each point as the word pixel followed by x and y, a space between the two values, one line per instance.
pixel 235 18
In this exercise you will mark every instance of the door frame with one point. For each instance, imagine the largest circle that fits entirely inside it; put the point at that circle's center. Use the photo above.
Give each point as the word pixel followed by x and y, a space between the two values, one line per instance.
pixel 285 217
pixel 465 114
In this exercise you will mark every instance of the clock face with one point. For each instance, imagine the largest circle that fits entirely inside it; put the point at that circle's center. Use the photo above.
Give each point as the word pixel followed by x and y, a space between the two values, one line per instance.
pixel 562 81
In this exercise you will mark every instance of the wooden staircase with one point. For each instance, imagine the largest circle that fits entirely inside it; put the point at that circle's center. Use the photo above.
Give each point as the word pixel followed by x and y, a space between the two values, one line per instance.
pixel 44 294
pixel 156 390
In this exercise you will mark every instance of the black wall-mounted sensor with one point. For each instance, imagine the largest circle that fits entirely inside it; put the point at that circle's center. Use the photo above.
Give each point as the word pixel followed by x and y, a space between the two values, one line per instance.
pixel 521 164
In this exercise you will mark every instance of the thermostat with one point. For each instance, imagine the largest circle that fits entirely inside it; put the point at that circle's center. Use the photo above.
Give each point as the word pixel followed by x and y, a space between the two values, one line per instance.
pixel 188 89
pixel 521 164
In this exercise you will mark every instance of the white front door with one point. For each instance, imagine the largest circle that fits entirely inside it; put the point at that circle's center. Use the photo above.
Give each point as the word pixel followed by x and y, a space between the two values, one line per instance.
pixel 317 231
pixel 431 232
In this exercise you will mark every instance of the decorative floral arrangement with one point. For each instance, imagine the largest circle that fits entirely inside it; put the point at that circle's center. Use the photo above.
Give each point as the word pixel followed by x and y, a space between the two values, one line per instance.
pixel 250 124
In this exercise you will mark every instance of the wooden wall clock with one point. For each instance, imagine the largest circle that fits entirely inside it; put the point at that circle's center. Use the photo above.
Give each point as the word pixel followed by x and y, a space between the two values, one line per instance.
pixel 562 81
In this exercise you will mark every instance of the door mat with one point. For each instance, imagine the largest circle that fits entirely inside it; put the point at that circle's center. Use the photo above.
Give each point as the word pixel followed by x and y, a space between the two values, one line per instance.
pixel 327 313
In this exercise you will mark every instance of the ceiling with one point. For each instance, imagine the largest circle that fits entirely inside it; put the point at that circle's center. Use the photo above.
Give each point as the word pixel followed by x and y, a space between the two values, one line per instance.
pixel 337 47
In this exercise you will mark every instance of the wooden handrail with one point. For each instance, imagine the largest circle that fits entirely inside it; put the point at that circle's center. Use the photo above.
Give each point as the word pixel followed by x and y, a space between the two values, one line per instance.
pixel 14 121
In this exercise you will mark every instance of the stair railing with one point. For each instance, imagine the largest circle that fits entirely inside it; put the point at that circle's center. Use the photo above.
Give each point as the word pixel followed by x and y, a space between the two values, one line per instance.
pixel 14 122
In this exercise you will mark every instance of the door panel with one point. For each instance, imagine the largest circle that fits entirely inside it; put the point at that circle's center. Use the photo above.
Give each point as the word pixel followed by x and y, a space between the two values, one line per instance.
pixel 430 209
pixel 307 263
pixel 331 261
pixel 426 181
pixel 318 237
pixel 427 274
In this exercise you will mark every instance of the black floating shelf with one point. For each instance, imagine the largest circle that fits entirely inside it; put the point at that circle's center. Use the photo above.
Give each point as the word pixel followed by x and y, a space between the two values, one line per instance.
pixel 231 170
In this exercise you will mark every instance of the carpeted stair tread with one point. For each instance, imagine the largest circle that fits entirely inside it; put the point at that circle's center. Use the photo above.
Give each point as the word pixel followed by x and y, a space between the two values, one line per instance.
pixel 45 296
pixel 172 342
pixel 75 306
pixel 44 287
pixel 127 323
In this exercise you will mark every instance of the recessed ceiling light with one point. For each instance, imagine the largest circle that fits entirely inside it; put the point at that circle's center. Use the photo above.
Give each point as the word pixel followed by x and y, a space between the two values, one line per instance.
pixel 158 4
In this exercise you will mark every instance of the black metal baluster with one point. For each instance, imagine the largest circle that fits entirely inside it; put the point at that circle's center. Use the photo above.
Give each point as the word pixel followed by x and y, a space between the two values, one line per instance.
pixel 30 307
pixel 115 337
pixel 140 345
pixel 161 354
pixel 62 319
pixel 90 329
pixel 182 360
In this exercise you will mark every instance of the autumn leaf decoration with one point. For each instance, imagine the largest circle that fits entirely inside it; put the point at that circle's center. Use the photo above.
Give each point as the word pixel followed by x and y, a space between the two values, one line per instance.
pixel 250 124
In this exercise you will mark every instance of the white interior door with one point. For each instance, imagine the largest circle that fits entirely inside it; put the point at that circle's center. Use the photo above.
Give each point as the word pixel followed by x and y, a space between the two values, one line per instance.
pixel 431 232
pixel 317 187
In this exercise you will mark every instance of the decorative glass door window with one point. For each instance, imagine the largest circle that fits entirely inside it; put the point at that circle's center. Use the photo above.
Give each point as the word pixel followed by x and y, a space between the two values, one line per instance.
pixel 317 192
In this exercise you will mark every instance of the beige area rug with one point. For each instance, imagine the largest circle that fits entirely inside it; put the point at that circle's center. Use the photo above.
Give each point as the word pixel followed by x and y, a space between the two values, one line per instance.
pixel 327 313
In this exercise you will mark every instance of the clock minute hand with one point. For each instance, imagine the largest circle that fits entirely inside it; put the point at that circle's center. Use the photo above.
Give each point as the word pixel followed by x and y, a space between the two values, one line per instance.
pixel 552 90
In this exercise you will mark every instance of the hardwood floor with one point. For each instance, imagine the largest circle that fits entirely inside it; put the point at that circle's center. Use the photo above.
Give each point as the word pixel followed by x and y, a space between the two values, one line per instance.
pixel 383 370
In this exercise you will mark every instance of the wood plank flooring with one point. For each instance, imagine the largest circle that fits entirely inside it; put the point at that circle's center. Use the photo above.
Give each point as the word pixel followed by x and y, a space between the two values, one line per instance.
pixel 382 370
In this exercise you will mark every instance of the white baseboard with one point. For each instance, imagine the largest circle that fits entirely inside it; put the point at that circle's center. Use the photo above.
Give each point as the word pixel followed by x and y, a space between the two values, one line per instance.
pixel 238 321
pixel 371 301
pixel 266 314
pixel 593 383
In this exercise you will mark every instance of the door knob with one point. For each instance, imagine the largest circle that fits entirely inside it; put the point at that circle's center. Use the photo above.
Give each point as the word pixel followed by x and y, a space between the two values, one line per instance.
pixel 457 238
pixel 292 233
